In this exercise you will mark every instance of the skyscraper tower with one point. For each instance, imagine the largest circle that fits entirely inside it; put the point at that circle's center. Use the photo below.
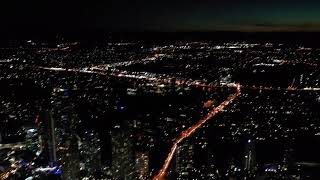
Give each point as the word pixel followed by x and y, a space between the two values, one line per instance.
pixel 48 137
pixel 249 156
pixel 63 112
pixel 142 165
pixel 143 145
pixel 212 171
pixel 90 152
pixel 32 139
pixel 123 158
pixel 69 158
pixel 185 160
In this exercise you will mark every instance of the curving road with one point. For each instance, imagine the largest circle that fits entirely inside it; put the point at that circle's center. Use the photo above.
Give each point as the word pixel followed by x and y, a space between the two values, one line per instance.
pixel 187 133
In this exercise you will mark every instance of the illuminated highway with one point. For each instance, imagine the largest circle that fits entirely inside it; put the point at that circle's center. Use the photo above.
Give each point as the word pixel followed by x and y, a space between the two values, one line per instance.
pixel 187 133
pixel 6 174
pixel 11 170
pixel 12 146
pixel 164 78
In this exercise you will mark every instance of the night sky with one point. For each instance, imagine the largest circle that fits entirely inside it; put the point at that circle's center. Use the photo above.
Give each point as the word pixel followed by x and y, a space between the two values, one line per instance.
pixel 162 15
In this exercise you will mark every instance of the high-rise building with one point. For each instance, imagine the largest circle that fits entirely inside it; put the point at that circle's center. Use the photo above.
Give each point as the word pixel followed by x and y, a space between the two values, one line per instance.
pixel 143 145
pixel 63 111
pixel 185 160
pixel 123 158
pixel 90 152
pixel 212 170
pixel 47 137
pixel 32 139
pixel 249 156
pixel 69 159
pixel 142 165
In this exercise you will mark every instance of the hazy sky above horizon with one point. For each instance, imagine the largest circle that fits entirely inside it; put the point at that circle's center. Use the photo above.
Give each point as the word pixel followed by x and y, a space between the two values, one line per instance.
pixel 164 15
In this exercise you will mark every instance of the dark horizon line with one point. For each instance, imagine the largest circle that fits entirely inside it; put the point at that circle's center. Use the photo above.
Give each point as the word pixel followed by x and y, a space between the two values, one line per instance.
pixel 148 34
